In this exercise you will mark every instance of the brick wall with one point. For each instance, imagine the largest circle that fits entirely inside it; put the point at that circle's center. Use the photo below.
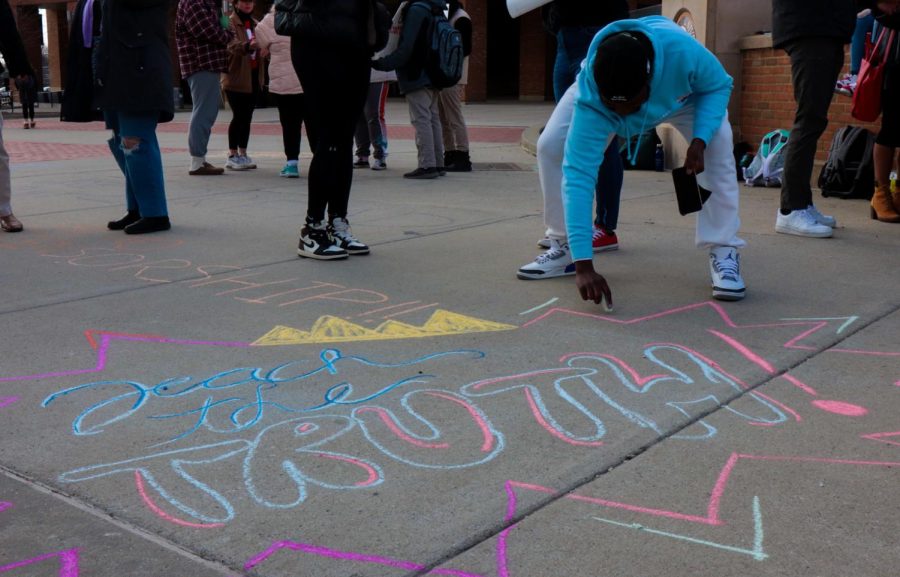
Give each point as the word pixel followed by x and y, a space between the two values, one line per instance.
pixel 767 100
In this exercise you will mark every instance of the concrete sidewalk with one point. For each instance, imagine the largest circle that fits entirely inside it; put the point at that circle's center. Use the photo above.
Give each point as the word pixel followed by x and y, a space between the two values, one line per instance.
pixel 202 402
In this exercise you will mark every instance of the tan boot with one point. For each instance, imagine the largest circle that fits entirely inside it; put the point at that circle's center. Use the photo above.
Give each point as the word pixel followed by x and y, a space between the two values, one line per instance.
pixel 883 206
pixel 896 197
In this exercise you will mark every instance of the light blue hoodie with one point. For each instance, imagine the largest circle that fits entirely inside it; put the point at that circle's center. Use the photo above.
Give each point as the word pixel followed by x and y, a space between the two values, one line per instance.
pixel 684 72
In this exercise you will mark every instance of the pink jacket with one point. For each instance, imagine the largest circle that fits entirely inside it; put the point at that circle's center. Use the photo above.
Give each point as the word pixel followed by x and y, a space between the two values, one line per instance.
pixel 282 76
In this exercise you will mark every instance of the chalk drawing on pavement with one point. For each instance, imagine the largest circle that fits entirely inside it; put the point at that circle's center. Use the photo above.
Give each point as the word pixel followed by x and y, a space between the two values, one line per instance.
pixel 331 329
pixel 68 563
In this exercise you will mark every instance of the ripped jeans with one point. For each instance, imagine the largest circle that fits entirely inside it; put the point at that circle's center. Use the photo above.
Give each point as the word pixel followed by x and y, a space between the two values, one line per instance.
pixel 136 150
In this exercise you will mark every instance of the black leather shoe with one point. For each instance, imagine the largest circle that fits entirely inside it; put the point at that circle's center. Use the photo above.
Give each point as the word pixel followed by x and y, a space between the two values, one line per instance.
pixel 131 217
pixel 149 224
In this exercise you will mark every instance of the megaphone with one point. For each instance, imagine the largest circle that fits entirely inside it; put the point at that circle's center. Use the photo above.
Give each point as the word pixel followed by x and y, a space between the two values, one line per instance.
pixel 518 7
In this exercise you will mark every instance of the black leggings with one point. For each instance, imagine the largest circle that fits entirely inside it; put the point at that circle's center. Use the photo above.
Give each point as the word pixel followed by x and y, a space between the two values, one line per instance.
pixel 242 105
pixel 27 106
pixel 290 113
pixel 335 84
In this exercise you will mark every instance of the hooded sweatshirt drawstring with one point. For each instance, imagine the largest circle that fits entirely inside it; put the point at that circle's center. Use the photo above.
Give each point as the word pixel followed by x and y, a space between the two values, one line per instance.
pixel 632 154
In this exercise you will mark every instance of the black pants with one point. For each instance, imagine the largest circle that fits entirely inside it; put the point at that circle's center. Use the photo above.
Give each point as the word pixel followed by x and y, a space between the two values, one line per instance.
pixel 815 66
pixel 27 106
pixel 242 105
pixel 290 113
pixel 335 83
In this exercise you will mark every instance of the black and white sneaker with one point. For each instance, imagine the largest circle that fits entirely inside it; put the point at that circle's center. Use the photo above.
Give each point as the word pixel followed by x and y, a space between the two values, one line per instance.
pixel 317 243
pixel 340 232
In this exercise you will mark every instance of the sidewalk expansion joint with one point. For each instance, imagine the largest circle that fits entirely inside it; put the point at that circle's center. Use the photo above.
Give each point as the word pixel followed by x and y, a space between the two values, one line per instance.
pixel 524 513
pixel 122 524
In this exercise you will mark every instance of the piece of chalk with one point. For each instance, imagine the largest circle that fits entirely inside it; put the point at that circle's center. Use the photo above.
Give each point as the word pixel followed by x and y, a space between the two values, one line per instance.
pixel 606 306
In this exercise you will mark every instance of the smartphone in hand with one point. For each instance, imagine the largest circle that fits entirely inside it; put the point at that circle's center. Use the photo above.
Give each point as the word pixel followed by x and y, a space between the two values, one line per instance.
pixel 689 194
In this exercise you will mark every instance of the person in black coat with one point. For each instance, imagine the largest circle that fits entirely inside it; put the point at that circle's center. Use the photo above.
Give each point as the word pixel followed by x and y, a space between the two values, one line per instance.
pixel 133 87
pixel 27 88
pixel 13 52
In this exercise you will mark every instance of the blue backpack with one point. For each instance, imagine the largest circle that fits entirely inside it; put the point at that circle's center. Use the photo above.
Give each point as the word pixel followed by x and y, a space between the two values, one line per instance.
pixel 444 61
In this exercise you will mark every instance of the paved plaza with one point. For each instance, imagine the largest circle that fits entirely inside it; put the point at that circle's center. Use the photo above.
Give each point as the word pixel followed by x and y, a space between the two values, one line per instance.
pixel 202 402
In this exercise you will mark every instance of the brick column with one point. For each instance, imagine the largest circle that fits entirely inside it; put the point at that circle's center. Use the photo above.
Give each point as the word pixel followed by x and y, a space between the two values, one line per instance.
pixel 57 44
pixel 476 90
pixel 532 57
pixel 28 21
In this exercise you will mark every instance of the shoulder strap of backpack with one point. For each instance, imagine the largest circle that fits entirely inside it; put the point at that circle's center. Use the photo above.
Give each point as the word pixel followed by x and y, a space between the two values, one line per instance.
pixel 839 146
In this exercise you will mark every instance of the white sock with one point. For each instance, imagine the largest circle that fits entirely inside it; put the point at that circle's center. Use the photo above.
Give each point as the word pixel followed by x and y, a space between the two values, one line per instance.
pixel 197 162
pixel 292 163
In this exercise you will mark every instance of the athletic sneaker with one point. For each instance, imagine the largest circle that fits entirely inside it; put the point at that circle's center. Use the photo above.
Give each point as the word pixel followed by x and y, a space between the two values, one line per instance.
pixel 290 171
pixel 555 262
pixel 846 85
pixel 801 223
pixel 361 162
pixel 247 161
pixel 822 218
pixel 602 240
pixel 725 270
pixel 316 242
pixel 234 163
pixel 340 232
pixel 379 164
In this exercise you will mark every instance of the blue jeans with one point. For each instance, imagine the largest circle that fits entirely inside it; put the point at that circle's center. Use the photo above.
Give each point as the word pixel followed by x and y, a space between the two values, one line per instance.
pixel 145 188
pixel 572 44
pixel 858 44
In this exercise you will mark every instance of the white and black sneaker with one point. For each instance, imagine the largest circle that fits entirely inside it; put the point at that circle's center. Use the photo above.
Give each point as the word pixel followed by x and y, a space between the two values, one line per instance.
pixel 340 232
pixel 317 243
pixel 555 262
pixel 725 270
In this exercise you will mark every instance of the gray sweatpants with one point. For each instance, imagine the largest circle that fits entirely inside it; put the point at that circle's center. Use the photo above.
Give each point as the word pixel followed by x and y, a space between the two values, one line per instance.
pixel 205 93
pixel 426 120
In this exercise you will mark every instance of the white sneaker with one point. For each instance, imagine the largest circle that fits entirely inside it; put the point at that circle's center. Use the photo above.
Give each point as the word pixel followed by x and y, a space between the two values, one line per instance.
pixel 825 219
pixel 725 270
pixel 340 232
pixel 235 163
pixel 801 223
pixel 247 161
pixel 555 262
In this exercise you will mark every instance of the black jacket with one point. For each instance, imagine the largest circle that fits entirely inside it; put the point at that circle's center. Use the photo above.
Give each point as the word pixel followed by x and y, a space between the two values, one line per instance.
pixel 793 19
pixel 409 57
pixel 11 46
pixel 78 97
pixel 338 24
pixel 133 66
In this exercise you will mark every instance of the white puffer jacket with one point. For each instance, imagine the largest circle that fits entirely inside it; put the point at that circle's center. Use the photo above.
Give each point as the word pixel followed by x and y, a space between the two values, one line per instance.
pixel 282 76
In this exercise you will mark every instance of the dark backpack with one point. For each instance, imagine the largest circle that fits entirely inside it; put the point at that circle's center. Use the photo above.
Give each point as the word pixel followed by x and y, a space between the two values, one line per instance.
pixel 444 60
pixel 849 170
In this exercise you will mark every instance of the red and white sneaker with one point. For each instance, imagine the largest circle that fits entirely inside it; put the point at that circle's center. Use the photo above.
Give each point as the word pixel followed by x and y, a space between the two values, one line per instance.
pixel 604 240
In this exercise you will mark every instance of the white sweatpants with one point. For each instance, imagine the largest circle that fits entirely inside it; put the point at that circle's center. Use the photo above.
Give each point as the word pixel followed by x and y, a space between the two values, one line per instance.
pixel 717 223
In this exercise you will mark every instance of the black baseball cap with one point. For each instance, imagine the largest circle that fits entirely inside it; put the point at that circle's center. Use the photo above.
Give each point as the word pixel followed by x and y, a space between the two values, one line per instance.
pixel 622 65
